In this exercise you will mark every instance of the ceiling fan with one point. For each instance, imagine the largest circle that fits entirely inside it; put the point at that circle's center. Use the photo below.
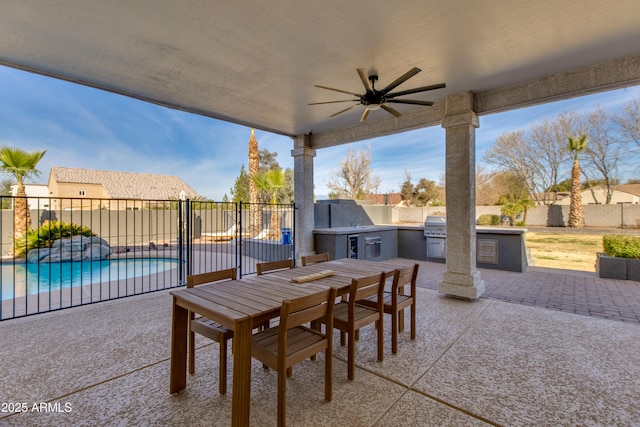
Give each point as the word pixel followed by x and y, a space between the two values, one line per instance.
pixel 374 99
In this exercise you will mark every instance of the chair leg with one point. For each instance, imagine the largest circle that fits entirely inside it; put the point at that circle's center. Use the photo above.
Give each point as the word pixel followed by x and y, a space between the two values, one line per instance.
pixel 282 398
pixel 380 343
pixel 289 372
pixel 192 353
pixel 413 320
pixel 315 326
pixel 357 334
pixel 351 355
pixel 328 374
pixel 401 322
pixel 223 367
pixel 394 332
pixel 342 338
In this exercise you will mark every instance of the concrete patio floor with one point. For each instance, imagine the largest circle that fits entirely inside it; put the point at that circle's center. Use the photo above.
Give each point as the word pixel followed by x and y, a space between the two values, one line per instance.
pixel 486 362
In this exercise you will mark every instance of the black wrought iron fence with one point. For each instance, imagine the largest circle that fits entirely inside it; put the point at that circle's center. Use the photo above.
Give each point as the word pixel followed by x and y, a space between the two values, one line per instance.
pixel 77 251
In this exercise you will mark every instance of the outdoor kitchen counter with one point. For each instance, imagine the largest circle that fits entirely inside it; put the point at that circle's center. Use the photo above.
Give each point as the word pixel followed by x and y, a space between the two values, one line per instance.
pixel 499 248
pixel 500 230
pixel 372 228
pixel 354 229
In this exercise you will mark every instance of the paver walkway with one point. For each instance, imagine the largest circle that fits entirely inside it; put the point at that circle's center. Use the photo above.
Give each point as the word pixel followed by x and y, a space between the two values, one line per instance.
pixel 569 291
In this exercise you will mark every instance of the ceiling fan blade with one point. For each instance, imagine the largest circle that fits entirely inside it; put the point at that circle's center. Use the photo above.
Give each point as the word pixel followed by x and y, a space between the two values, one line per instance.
pixel 416 90
pixel 391 110
pixel 337 90
pixel 344 111
pixel 365 79
pixel 364 115
pixel 333 102
pixel 410 101
pixel 403 78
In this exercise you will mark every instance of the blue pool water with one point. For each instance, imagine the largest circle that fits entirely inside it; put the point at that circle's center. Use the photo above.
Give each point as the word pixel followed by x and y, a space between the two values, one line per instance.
pixel 31 279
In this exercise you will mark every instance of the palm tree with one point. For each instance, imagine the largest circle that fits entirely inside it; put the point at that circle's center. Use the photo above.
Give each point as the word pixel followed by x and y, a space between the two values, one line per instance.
pixel 576 217
pixel 255 212
pixel 273 183
pixel 21 165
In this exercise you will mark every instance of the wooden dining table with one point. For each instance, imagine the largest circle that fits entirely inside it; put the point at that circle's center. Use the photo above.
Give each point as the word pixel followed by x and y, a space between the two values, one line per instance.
pixel 241 305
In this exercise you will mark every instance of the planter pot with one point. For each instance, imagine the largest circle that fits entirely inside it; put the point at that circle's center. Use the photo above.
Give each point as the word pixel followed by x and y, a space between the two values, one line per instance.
pixel 633 269
pixel 609 267
pixel 618 268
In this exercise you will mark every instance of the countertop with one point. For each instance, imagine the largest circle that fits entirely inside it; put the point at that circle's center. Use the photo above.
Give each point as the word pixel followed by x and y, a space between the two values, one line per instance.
pixel 378 227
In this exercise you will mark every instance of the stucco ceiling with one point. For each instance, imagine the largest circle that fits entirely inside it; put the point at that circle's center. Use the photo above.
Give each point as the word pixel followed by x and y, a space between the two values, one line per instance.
pixel 256 62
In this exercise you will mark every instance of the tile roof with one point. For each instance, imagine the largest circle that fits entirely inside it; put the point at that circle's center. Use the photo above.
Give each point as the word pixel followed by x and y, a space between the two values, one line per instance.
pixel 628 188
pixel 127 185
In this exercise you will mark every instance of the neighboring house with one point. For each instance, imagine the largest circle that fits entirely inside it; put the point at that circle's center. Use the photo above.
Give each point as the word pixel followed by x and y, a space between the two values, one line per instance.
pixel 625 193
pixel 34 193
pixel 385 199
pixel 92 189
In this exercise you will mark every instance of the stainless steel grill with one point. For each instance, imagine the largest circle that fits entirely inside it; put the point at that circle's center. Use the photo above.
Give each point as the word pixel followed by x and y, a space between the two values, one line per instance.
pixel 435 230
pixel 435 226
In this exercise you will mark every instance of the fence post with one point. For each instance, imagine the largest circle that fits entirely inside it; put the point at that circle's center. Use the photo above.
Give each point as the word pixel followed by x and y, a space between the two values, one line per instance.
pixel 239 238
pixel 188 235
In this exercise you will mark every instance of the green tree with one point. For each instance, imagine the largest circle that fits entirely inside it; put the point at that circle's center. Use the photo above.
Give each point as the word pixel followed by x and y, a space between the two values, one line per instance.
pixel 422 194
pixel 255 212
pixel 576 216
pixel 562 186
pixel 5 190
pixel 240 190
pixel 21 165
pixel 407 189
pixel 514 208
pixel 266 161
pixel 426 191
pixel 272 183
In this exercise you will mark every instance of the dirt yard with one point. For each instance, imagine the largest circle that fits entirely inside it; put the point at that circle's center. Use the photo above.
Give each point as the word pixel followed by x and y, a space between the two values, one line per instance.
pixel 564 250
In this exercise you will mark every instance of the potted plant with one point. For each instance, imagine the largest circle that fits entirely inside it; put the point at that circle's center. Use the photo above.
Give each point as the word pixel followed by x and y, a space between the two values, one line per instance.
pixel 621 258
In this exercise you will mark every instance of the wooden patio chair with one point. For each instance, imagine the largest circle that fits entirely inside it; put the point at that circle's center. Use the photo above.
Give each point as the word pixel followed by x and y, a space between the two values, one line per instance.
pixel 267 267
pixel 349 316
pixel 209 328
pixel 291 342
pixel 396 300
pixel 314 259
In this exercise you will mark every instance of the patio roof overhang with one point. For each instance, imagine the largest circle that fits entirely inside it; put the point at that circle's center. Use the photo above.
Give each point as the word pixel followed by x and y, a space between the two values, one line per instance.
pixel 256 63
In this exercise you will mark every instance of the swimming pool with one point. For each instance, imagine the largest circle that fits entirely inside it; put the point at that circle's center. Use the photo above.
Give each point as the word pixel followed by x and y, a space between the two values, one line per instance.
pixel 32 279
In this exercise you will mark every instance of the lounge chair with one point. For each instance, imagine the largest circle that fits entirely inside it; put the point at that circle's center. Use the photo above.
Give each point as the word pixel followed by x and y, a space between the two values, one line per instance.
pixel 262 235
pixel 217 236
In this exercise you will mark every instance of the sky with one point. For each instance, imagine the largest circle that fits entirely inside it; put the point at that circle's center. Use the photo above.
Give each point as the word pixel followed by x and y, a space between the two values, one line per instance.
pixel 82 127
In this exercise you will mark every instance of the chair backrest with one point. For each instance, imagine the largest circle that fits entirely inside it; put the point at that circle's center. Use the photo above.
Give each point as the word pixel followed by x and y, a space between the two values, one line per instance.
pixel 405 276
pixel 314 259
pixel 305 309
pixel 213 276
pixel 274 265
pixel 367 287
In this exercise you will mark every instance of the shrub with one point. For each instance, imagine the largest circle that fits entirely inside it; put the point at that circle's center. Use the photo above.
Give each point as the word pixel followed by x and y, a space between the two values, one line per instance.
pixel 47 233
pixel 621 246
pixel 489 219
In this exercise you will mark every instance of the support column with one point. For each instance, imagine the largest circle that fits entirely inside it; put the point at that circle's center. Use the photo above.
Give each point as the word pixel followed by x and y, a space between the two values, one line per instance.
pixel 303 156
pixel 460 121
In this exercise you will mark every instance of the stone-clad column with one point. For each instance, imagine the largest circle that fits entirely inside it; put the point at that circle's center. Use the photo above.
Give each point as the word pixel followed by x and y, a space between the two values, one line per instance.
pixel 303 194
pixel 461 278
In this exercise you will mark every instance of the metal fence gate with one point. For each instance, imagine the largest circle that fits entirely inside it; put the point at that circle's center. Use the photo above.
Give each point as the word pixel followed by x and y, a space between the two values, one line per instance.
pixel 79 251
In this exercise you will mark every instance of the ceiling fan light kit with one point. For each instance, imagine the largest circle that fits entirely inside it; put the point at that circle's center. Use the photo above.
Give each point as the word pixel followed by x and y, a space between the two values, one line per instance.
pixel 374 99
